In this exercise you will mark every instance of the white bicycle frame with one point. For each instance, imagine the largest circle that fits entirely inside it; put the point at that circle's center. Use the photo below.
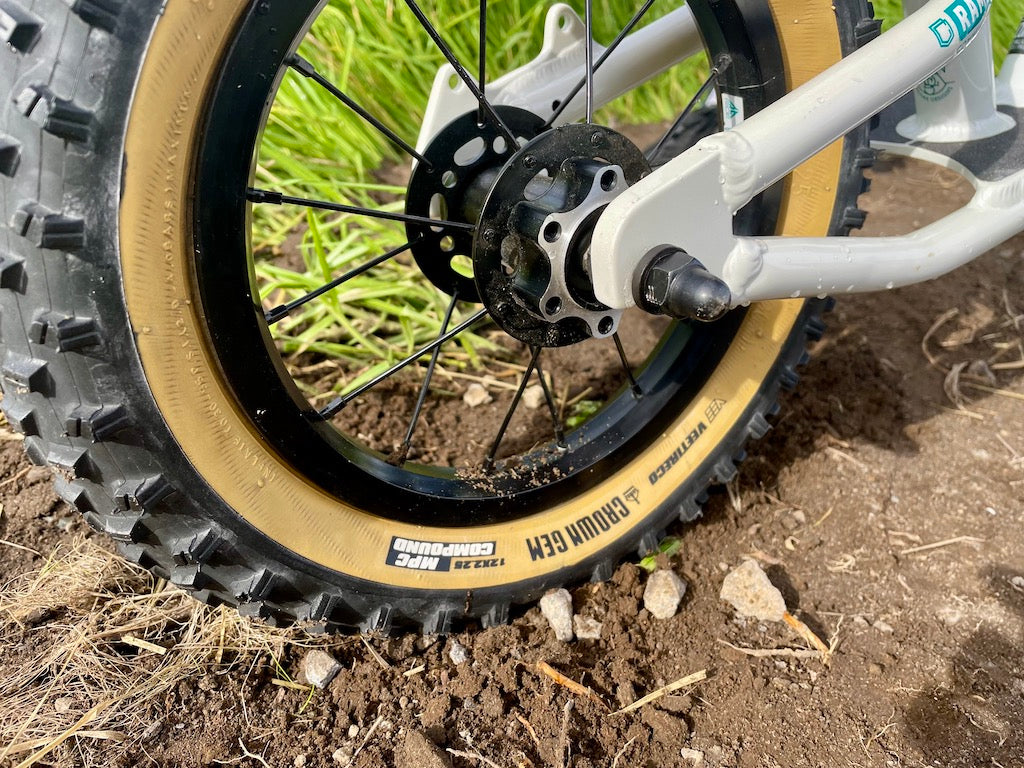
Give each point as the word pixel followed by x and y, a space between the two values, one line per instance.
pixel 689 203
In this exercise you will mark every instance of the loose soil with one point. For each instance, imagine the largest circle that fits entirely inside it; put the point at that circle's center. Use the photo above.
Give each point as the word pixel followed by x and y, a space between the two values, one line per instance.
pixel 878 453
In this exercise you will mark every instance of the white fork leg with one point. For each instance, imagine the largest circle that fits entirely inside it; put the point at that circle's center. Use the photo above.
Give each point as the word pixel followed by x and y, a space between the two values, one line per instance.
pixel 541 84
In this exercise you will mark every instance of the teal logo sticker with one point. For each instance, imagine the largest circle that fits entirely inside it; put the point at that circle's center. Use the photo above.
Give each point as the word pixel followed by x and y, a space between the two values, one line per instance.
pixel 962 18
pixel 943 32
pixel 936 87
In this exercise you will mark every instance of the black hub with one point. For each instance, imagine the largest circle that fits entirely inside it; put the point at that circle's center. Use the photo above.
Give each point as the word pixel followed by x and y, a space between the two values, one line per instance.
pixel 531 250
pixel 464 160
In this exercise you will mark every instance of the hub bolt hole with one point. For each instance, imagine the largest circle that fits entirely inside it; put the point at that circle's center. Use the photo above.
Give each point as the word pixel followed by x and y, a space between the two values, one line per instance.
pixel 606 325
pixel 449 179
pixel 447 244
pixel 553 306
pixel 552 232
pixel 609 181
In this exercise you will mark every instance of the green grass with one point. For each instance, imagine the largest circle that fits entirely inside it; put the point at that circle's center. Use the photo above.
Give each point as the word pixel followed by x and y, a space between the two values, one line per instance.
pixel 315 147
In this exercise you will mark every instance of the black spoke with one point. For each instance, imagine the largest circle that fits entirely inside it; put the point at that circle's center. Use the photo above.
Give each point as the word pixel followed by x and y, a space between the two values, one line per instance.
pixel 600 61
pixel 277 314
pixel 276 198
pixel 482 70
pixel 306 69
pixel 590 61
pixel 555 421
pixel 489 461
pixel 701 94
pixel 442 46
pixel 339 403
pixel 403 452
pixel 633 384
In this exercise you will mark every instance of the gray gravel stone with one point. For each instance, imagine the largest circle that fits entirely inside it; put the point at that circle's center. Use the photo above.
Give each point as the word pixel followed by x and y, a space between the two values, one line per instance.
pixel 319 668
pixel 663 594
pixel 533 397
pixel 557 609
pixel 748 590
pixel 457 653
pixel 476 395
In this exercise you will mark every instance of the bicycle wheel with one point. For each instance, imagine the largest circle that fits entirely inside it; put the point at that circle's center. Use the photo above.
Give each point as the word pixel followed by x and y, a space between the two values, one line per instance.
pixel 167 354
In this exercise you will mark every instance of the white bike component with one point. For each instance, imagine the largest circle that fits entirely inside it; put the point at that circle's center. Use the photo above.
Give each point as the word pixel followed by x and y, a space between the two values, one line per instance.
pixel 958 103
pixel 779 267
pixel 689 202
pixel 1010 83
pixel 539 85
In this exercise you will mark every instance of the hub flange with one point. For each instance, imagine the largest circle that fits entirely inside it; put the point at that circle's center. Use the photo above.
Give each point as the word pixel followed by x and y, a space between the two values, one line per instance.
pixel 532 244
pixel 464 158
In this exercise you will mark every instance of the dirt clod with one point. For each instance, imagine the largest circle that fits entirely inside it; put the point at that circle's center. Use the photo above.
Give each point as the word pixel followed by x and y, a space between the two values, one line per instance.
pixel 587 628
pixel 418 751
pixel 748 590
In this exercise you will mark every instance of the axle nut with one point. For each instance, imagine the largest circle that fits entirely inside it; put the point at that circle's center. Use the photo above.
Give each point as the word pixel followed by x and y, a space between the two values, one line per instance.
pixel 677 285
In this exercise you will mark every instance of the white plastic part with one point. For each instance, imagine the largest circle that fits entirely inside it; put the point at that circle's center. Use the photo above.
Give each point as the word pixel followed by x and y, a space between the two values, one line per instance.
pixel 958 102
pixel 1010 83
pixel 539 85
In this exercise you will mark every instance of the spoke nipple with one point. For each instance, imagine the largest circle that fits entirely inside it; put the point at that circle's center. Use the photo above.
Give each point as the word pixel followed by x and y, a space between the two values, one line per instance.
pixel 490 235
pixel 530 162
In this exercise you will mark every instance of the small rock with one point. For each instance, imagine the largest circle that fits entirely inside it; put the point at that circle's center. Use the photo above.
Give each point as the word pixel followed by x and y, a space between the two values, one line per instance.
pixel 587 628
pixel 860 621
pixel 418 751
pixel 63 705
pixel 695 756
pixel 353 731
pixel 476 395
pixel 457 653
pixel 882 626
pixel 556 606
pixel 533 397
pixel 748 590
pixel 299 761
pixel 342 756
pixel 1017 582
pixel 663 593
pixel 319 668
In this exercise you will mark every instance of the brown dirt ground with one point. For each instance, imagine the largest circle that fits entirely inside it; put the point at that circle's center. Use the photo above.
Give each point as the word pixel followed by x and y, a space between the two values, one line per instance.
pixel 870 459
